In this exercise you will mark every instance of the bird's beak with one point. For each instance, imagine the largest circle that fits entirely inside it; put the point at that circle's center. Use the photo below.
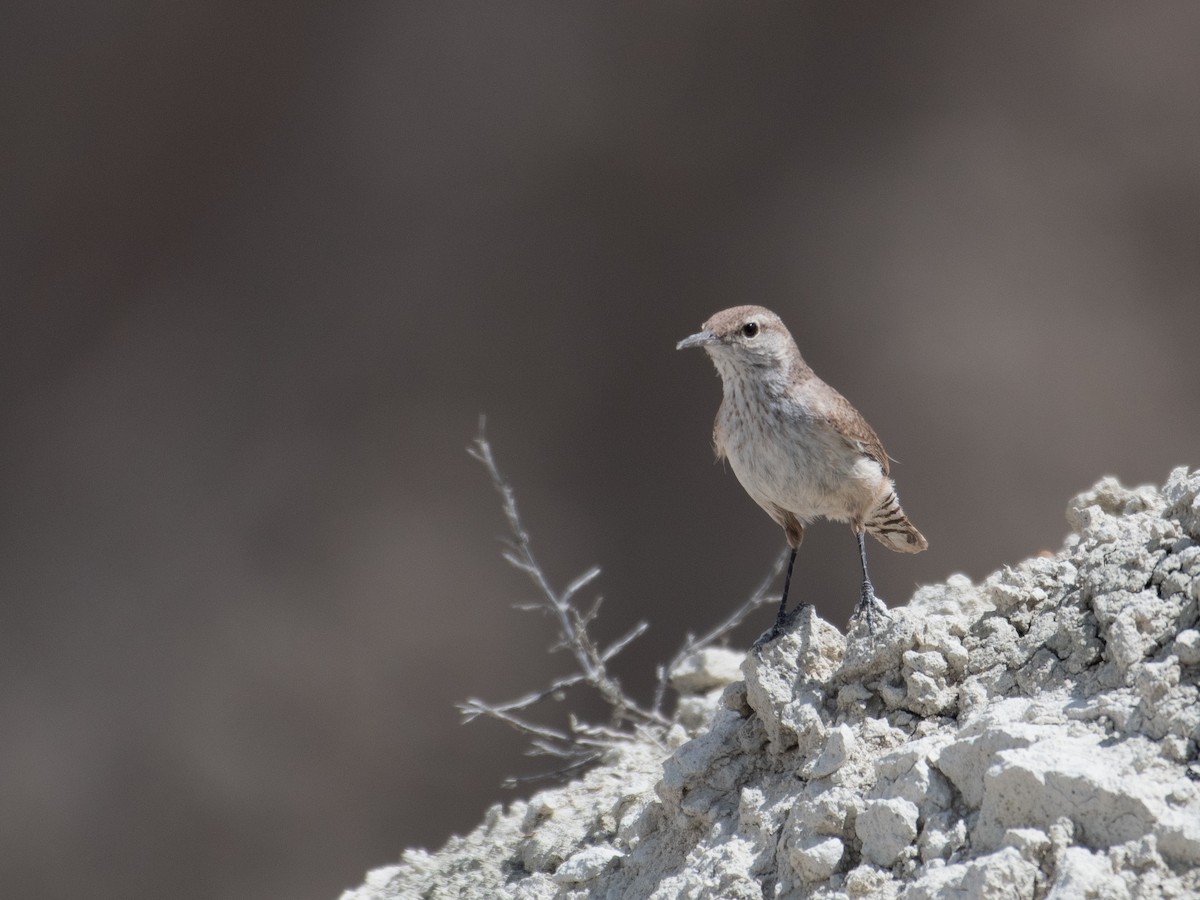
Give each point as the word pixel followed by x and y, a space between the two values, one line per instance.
pixel 699 339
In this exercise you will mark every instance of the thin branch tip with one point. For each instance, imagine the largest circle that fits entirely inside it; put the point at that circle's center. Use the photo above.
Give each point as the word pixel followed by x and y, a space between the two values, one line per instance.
pixel 628 718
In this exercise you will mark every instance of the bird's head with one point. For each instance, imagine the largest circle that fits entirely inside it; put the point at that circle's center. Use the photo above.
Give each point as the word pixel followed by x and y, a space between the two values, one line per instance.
pixel 744 340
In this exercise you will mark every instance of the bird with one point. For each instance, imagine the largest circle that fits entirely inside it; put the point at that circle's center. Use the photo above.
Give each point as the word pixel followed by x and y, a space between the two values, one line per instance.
pixel 798 447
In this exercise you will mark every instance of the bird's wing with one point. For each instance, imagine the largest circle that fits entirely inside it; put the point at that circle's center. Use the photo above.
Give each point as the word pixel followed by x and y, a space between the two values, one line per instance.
pixel 849 423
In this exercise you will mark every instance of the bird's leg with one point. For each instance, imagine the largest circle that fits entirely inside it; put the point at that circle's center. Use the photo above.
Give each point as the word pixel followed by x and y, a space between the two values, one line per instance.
pixel 782 618
pixel 868 603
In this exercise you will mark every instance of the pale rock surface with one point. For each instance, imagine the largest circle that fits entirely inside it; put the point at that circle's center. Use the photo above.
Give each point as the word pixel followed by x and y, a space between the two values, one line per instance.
pixel 1035 735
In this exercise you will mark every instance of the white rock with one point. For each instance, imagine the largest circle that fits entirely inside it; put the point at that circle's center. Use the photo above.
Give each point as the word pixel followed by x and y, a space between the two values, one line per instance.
pixel 1031 842
pixel 1097 787
pixel 786 682
pixel 966 760
pixel 1033 735
pixel 1187 647
pixel 837 750
pixel 818 859
pixel 1080 875
pixel 586 865
pixel 866 882
pixel 709 668
pixel 375 884
pixel 943 836
pixel 999 876
pixel 886 828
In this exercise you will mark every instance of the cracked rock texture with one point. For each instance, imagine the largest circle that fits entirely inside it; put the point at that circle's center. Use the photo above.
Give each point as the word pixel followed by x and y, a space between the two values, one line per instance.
pixel 1034 735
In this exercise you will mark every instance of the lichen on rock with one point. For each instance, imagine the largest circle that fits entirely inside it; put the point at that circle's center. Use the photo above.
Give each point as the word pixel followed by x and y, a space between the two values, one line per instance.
pixel 1033 735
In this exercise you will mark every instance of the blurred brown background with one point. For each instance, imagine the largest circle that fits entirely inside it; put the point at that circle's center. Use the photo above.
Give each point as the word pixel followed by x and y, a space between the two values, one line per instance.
pixel 262 265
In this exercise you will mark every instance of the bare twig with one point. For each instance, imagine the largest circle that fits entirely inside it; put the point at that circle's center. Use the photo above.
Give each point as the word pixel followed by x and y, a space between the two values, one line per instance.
pixel 691 644
pixel 579 744
pixel 514 781
pixel 472 709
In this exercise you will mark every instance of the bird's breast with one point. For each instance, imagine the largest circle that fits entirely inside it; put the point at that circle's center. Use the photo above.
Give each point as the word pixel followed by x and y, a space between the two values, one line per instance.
pixel 786 457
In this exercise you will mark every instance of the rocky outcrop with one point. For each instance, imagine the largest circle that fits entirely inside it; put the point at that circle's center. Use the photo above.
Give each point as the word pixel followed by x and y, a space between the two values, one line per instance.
pixel 1033 735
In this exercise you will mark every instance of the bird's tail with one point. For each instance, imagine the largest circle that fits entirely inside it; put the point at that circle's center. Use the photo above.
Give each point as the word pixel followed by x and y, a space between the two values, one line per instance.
pixel 888 524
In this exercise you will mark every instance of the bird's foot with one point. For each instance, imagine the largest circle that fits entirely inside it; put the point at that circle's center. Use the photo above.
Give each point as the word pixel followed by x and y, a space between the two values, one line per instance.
pixel 869 609
pixel 783 624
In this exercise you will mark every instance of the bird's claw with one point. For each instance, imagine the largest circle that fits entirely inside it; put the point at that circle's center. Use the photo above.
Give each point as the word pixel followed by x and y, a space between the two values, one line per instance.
pixel 869 609
pixel 783 624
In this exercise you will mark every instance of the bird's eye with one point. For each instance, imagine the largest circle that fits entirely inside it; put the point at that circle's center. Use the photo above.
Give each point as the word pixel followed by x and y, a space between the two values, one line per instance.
pixel 750 329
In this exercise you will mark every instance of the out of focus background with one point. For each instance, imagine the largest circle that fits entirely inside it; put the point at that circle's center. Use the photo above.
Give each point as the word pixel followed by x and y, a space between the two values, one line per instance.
pixel 263 265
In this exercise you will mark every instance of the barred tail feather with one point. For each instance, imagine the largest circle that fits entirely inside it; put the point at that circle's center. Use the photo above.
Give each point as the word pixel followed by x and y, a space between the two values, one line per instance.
pixel 890 526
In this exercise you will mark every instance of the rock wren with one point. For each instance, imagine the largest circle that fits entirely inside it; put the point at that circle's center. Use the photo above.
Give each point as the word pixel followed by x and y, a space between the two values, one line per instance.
pixel 797 446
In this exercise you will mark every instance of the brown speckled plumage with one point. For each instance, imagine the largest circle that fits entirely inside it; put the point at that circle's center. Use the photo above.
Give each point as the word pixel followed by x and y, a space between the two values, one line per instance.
pixel 798 447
